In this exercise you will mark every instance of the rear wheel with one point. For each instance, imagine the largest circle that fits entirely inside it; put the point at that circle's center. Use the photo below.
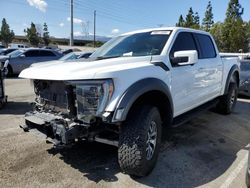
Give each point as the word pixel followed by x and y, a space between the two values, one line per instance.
pixel 139 141
pixel 228 101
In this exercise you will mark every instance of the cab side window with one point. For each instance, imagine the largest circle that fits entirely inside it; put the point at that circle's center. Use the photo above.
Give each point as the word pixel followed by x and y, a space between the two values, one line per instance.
pixel 184 41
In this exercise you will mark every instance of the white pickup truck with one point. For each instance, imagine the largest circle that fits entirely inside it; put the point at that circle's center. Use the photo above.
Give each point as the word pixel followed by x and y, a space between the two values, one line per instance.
pixel 129 89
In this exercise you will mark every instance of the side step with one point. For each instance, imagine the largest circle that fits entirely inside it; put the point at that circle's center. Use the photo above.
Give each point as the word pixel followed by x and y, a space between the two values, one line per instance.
pixel 181 119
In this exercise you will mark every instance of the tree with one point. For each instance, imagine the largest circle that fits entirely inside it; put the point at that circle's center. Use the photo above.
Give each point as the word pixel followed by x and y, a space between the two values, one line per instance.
pixel 207 21
pixel 216 31
pixel 190 18
pixel 6 35
pixel 32 35
pixel 181 22
pixel 234 11
pixel 234 30
pixel 46 39
pixel 196 24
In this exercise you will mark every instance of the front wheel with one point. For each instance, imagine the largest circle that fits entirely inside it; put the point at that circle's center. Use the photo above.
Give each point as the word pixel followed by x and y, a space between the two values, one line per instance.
pixel 139 141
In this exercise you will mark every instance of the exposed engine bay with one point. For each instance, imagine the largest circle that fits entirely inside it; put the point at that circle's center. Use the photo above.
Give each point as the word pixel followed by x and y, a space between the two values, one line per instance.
pixel 65 113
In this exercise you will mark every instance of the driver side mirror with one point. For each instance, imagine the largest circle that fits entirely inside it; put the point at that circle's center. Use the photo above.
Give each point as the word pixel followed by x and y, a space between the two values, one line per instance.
pixel 188 57
pixel 22 56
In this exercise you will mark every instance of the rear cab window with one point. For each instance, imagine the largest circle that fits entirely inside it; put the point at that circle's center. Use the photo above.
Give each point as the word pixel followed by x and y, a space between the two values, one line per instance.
pixel 206 46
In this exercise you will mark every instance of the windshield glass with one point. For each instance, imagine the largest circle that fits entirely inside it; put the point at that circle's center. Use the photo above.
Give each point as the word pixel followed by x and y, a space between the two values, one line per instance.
pixel 139 44
pixel 15 53
pixel 245 66
pixel 69 56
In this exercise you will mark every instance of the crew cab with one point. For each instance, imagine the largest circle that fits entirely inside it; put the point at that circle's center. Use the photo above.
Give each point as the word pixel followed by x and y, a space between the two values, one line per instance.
pixel 129 89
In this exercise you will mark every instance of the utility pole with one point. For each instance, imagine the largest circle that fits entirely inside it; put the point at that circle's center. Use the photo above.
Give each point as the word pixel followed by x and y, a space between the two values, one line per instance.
pixel 71 23
pixel 94 26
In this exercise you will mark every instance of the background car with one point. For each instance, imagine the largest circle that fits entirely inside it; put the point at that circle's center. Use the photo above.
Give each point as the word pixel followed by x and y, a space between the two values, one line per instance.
pixel 2 46
pixel 67 51
pixel 21 59
pixel 245 78
pixel 69 57
pixel 6 51
pixel 18 46
pixel 76 55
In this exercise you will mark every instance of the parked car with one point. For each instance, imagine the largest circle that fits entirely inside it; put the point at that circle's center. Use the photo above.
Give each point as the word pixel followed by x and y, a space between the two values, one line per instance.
pixel 67 51
pixel 21 59
pixel 18 46
pixel 76 55
pixel 2 46
pixel 132 86
pixel 245 78
pixel 6 51
pixel 67 58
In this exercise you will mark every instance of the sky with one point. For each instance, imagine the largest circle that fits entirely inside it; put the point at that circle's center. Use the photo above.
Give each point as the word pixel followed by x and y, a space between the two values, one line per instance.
pixel 112 16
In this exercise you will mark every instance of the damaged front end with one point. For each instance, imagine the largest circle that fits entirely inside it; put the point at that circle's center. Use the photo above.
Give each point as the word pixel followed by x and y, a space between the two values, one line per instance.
pixel 68 111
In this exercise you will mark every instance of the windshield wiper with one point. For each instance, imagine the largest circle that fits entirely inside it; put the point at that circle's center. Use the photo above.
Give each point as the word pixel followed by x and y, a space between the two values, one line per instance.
pixel 107 57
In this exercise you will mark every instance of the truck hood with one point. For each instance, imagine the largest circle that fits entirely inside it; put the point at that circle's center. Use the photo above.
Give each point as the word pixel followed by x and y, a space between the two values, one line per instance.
pixel 80 70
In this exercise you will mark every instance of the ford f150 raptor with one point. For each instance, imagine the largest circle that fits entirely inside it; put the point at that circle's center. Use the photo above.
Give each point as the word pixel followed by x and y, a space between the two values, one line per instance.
pixel 129 89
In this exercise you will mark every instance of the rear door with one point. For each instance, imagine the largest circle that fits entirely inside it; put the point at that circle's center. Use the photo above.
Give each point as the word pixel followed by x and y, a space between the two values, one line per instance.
pixel 183 84
pixel 209 67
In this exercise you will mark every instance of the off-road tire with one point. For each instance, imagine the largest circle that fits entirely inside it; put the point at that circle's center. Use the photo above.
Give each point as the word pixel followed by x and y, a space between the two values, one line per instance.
pixel 225 105
pixel 132 155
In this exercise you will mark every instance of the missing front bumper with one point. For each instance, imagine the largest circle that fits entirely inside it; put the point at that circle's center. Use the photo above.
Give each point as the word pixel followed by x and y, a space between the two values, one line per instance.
pixel 56 129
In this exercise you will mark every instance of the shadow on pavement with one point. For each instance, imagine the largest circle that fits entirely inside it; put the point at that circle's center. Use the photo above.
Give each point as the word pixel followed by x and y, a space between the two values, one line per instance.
pixel 15 108
pixel 97 162
pixel 192 155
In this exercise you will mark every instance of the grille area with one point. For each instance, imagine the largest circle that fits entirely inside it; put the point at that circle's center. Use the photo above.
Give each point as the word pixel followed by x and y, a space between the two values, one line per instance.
pixel 55 96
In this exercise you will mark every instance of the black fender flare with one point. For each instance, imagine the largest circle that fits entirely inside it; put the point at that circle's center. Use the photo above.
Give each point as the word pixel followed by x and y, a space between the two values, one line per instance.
pixel 135 91
pixel 234 69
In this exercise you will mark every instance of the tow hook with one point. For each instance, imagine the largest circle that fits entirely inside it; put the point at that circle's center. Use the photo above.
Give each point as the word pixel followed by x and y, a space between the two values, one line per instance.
pixel 24 127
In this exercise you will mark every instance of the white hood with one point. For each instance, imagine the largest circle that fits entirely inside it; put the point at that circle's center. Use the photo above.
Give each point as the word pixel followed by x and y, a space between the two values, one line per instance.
pixel 79 70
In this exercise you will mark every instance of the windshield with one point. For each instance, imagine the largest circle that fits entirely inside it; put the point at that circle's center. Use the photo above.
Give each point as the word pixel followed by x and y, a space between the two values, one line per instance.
pixel 245 66
pixel 69 56
pixel 139 44
pixel 15 53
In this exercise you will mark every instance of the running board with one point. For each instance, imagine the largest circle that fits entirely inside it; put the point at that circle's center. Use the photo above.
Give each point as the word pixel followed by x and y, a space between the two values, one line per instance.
pixel 181 119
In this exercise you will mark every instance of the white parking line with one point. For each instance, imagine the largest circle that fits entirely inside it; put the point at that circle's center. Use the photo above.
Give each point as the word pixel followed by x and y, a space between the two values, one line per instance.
pixel 235 172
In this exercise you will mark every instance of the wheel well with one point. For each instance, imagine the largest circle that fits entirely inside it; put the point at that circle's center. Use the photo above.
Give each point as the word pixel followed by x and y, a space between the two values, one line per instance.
pixel 237 77
pixel 158 99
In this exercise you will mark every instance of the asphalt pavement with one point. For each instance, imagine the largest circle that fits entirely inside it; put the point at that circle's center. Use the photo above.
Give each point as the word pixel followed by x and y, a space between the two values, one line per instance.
pixel 208 151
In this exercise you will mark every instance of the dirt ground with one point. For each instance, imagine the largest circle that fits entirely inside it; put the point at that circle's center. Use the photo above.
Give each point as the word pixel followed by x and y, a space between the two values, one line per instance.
pixel 209 151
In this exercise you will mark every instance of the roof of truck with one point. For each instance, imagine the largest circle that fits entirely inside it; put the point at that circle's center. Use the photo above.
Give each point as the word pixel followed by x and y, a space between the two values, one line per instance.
pixel 174 29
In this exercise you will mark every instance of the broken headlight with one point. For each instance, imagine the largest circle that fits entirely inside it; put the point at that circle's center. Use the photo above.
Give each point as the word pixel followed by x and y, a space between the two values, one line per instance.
pixel 92 98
